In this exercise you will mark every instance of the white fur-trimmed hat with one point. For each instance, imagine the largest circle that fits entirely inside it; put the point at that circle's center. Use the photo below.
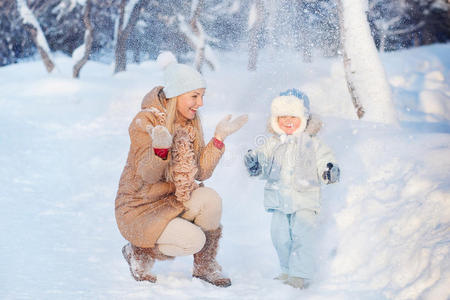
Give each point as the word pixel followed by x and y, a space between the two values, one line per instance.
pixel 290 103
pixel 178 78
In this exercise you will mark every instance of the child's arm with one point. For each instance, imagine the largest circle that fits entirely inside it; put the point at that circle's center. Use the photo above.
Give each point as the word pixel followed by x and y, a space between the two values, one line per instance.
pixel 326 163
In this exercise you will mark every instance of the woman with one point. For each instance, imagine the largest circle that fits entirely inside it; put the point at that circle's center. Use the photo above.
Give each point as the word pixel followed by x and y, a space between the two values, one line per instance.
pixel 160 208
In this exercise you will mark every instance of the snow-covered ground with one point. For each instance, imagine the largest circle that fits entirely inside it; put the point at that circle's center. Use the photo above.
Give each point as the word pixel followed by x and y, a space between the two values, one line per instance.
pixel 385 230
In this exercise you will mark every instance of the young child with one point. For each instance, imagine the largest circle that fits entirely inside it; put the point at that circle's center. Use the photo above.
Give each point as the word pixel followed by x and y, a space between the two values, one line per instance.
pixel 294 164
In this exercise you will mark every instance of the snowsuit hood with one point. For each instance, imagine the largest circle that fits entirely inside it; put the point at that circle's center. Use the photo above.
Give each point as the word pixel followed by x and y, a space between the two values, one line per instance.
pixel 290 103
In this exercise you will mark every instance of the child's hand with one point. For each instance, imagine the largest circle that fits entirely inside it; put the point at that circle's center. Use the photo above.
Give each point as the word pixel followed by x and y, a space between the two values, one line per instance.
pixel 252 164
pixel 332 174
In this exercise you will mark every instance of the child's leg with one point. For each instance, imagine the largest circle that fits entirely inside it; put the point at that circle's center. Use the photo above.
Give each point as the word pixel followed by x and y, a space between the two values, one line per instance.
pixel 303 228
pixel 281 238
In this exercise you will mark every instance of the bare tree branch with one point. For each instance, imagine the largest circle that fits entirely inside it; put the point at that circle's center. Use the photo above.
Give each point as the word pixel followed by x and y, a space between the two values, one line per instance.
pixel 32 26
pixel 88 39
pixel 198 31
pixel 124 32
pixel 254 33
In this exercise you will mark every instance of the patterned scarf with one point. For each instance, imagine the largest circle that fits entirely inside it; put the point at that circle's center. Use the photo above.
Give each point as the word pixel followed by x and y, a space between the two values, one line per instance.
pixel 183 165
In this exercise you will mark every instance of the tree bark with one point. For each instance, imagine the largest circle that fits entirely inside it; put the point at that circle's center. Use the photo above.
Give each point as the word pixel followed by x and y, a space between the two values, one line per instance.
pixel 48 63
pixel 347 64
pixel 255 31
pixel 196 29
pixel 366 78
pixel 31 24
pixel 199 46
pixel 124 32
pixel 88 39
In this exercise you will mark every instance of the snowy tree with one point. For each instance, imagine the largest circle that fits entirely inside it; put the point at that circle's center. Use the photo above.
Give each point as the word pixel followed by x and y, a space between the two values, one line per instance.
pixel 256 29
pixel 194 33
pixel 293 25
pixel 367 81
pixel 61 22
pixel 103 16
pixel 88 39
pixel 213 24
pixel 34 28
pixel 194 29
pixel 190 29
pixel 408 23
pixel 225 21
pixel 316 27
pixel 14 39
pixel 390 22
pixel 129 15
pixel 431 19
pixel 196 37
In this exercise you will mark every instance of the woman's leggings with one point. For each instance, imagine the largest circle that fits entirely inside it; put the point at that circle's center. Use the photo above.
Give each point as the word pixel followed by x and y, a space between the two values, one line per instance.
pixel 184 235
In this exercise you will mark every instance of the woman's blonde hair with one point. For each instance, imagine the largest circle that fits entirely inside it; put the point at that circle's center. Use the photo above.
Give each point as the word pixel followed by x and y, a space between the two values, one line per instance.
pixel 171 118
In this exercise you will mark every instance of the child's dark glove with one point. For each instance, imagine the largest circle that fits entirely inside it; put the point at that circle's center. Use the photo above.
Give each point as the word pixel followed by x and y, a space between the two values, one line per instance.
pixel 252 164
pixel 332 174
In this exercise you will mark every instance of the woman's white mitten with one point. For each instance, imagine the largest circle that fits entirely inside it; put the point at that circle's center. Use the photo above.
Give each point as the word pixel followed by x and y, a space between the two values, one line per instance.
pixel 226 127
pixel 161 137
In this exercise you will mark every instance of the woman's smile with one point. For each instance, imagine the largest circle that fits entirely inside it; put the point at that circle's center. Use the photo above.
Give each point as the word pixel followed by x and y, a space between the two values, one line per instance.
pixel 189 103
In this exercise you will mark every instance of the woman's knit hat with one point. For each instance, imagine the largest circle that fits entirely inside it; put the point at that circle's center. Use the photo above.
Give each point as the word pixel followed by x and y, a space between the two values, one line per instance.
pixel 178 78
pixel 290 103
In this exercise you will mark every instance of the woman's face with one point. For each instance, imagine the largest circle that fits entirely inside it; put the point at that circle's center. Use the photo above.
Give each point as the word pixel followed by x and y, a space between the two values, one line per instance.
pixel 188 103
pixel 289 124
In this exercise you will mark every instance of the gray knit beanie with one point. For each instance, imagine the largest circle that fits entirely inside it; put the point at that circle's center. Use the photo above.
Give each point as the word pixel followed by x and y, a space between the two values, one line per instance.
pixel 178 78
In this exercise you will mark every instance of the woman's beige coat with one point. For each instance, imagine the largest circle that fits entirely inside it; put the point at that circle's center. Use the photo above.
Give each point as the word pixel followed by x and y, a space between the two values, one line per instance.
pixel 145 201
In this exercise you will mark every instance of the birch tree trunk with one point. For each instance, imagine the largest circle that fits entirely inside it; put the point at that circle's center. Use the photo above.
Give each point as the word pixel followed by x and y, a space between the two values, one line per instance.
pixel 365 75
pixel 256 28
pixel 347 64
pixel 37 35
pixel 88 39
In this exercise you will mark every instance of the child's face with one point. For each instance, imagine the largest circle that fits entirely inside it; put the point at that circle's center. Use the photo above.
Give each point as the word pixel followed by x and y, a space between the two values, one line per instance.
pixel 289 124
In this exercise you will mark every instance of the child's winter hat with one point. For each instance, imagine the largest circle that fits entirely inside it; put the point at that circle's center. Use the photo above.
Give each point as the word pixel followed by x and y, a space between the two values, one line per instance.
pixel 178 78
pixel 289 103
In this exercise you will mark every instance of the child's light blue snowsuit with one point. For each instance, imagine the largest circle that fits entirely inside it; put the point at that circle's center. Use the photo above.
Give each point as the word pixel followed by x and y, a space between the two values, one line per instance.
pixel 292 166
pixel 292 236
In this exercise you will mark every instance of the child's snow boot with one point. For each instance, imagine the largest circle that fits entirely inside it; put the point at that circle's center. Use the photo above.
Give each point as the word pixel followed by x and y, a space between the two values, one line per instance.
pixel 205 264
pixel 296 282
pixel 141 260
pixel 282 277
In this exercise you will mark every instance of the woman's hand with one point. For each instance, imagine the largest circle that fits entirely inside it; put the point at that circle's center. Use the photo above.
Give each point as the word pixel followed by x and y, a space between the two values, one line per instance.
pixel 161 140
pixel 161 137
pixel 227 127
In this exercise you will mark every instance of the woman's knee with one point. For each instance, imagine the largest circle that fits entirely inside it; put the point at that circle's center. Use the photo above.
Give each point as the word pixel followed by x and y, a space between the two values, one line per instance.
pixel 181 238
pixel 209 199
pixel 204 208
